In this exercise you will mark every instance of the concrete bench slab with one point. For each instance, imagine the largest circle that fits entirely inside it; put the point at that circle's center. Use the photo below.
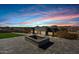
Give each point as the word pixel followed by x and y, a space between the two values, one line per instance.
pixel 38 40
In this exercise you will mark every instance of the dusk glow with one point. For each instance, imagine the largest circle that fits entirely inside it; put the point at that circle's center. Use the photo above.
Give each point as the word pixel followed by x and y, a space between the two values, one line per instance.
pixel 39 15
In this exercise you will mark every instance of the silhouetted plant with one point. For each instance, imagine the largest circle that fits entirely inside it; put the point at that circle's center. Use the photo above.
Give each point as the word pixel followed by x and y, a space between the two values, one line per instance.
pixel 33 30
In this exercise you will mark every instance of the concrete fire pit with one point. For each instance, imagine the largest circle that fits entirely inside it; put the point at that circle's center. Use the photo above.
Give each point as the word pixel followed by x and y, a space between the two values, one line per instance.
pixel 41 42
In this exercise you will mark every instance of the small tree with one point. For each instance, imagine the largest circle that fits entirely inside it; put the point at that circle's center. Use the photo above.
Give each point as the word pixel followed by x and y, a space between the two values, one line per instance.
pixel 33 30
pixel 46 33
pixel 54 29
pixel 48 29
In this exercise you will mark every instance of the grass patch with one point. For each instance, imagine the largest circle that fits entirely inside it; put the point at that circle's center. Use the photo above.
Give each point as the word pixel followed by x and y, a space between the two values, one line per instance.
pixel 8 35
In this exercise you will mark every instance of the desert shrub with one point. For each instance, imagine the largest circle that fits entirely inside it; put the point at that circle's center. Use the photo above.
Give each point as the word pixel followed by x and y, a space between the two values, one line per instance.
pixel 3 31
pixel 64 34
pixel 60 34
pixel 27 31
pixel 71 36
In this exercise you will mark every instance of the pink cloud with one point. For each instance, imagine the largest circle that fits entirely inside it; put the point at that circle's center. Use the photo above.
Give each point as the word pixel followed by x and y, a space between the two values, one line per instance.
pixel 64 17
pixel 62 24
pixel 25 23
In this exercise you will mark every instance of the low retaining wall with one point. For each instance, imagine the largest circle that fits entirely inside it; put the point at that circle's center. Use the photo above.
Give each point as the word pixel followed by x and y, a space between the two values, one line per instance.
pixel 37 42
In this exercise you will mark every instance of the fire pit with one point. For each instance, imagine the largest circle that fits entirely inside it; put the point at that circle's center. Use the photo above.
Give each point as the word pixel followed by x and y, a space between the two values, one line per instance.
pixel 41 42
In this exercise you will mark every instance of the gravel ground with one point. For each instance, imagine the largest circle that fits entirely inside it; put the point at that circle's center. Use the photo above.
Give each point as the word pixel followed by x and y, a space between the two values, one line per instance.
pixel 18 45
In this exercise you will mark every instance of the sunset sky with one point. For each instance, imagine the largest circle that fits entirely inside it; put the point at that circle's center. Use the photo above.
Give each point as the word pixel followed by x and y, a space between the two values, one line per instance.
pixel 29 15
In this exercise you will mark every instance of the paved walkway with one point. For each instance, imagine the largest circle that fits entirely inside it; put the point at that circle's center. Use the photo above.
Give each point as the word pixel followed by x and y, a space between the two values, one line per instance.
pixel 19 45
